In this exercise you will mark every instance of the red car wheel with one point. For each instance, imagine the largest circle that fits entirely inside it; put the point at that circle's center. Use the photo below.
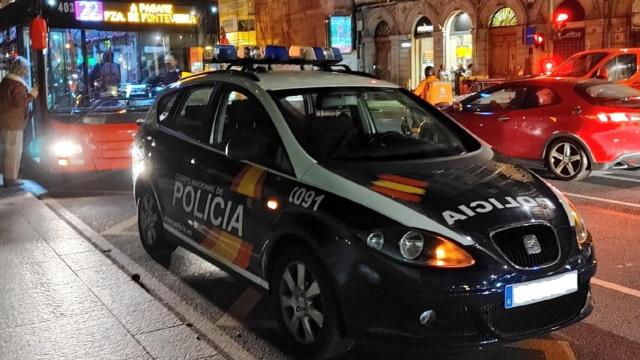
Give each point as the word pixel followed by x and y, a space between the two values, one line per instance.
pixel 567 160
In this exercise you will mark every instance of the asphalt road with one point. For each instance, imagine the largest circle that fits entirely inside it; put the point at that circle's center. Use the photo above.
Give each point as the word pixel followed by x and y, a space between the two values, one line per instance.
pixel 609 202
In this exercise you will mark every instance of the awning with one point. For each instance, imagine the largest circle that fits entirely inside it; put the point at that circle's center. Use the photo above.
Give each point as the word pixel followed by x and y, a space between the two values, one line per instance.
pixel 19 12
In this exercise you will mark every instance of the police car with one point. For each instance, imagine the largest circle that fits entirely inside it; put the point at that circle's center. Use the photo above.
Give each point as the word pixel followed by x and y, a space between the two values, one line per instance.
pixel 368 214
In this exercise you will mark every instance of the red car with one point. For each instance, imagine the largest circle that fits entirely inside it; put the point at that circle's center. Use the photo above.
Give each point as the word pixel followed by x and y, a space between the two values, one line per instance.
pixel 570 126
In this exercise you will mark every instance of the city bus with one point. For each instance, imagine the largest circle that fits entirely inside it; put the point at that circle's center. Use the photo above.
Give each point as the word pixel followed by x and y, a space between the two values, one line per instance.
pixel 104 64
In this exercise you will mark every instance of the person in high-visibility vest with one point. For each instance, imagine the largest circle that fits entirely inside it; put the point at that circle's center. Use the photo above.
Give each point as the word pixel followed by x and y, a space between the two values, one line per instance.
pixel 423 88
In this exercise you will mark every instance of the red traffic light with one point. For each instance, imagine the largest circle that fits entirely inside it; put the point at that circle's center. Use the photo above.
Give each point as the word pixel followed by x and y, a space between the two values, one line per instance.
pixel 538 39
pixel 548 66
pixel 562 17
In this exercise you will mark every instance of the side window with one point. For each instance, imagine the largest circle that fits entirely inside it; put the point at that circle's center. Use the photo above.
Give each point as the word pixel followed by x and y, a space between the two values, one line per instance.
pixel 621 67
pixel 510 98
pixel 541 97
pixel 165 104
pixel 193 117
pixel 242 117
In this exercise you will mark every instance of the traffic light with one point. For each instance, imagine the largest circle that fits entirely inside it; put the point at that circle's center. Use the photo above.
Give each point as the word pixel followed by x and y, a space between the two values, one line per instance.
pixel 561 19
pixel 538 41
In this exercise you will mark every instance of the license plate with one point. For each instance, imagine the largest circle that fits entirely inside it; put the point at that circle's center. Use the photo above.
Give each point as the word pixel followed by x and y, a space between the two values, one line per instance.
pixel 540 290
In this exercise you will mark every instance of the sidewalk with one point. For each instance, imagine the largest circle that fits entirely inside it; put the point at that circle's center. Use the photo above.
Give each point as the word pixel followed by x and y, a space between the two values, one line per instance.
pixel 61 298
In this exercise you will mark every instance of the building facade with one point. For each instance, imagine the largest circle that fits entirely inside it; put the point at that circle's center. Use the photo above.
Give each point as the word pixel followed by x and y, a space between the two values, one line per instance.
pixel 400 38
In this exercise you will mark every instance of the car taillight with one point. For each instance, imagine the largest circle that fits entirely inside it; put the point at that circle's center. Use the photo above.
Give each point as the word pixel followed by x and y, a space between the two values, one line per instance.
pixel 616 117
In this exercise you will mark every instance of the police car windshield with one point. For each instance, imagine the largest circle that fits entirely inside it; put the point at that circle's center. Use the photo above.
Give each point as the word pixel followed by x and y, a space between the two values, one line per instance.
pixel 369 124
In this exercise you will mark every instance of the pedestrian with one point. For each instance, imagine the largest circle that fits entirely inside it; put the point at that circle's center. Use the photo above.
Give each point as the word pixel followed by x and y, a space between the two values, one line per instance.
pixel 458 78
pixel 423 88
pixel 15 97
pixel 442 73
pixel 106 74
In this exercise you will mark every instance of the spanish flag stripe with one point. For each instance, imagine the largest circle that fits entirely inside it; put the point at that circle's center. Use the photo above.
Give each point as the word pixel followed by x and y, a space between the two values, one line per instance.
pixel 257 191
pixel 403 180
pixel 399 187
pixel 211 239
pixel 238 178
pixel 247 185
pixel 244 255
pixel 227 246
pixel 396 194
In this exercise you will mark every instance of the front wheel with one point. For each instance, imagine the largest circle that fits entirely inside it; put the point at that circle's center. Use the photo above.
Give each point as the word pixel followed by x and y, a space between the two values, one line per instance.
pixel 567 160
pixel 307 307
pixel 151 230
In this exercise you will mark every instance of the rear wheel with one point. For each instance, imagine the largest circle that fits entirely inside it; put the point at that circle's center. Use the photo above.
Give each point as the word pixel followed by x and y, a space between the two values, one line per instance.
pixel 307 307
pixel 567 160
pixel 151 230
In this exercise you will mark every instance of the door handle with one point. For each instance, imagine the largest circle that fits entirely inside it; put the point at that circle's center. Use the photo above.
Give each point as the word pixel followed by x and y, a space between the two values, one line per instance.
pixel 504 118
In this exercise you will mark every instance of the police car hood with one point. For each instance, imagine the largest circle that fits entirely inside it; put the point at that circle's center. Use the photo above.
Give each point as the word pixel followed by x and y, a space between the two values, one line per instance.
pixel 470 198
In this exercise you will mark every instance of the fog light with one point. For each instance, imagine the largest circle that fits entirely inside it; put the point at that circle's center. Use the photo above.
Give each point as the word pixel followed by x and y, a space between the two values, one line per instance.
pixel 63 162
pixel 427 317
pixel 375 240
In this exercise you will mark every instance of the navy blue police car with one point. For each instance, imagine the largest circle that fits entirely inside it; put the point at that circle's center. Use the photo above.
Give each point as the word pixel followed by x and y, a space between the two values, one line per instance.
pixel 367 213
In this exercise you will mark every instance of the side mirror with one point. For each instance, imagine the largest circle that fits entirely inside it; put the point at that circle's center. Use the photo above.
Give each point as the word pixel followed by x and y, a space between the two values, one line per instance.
pixel 244 147
pixel 140 122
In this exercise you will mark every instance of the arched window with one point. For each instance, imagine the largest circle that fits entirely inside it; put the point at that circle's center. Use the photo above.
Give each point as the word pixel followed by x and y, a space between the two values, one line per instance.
pixel 461 23
pixel 424 28
pixel 503 17
pixel 382 29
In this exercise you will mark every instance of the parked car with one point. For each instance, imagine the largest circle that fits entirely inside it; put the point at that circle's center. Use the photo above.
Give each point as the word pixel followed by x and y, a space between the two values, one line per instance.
pixel 569 126
pixel 618 65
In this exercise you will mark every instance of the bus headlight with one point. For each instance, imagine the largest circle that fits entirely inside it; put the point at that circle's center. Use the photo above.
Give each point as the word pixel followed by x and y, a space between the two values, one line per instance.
pixel 66 148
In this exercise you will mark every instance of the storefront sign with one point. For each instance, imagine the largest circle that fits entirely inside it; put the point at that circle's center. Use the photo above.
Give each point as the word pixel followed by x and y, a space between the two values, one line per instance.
pixel 529 31
pixel 341 33
pixel 424 28
pixel 134 13
pixel 569 34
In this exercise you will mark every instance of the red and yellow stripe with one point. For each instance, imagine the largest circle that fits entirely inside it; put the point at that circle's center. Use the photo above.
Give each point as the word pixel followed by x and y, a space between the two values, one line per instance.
pixel 249 182
pixel 400 187
pixel 229 247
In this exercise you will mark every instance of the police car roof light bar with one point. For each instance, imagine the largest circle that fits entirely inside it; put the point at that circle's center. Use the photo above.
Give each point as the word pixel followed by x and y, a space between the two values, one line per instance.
pixel 323 58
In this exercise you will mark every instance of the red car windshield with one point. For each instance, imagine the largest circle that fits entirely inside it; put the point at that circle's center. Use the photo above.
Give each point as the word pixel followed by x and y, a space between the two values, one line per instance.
pixel 579 65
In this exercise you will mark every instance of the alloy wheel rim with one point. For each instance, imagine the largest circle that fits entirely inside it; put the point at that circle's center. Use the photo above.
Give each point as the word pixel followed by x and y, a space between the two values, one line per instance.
pixel 149 219
pixel 566 159
pixel 301 303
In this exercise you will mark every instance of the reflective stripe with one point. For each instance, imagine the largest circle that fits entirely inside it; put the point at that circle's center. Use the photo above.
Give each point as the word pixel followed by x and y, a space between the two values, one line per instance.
pixel 328 181
pixel 248 275
pixel 399 187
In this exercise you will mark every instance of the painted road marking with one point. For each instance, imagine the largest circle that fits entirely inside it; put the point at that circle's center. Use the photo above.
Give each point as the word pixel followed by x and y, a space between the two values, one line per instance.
pixel 607 176
pixel 241 308
pixel 616 287
pixel 168 297
pixel 603 200
pixel 119 229
pixel 553 349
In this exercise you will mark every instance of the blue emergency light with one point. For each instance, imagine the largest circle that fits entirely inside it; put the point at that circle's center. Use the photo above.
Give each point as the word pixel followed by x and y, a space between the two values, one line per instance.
pixel 280 53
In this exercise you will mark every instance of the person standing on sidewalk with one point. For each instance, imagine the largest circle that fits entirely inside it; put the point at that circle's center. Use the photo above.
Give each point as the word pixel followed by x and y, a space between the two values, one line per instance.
pixel 15 97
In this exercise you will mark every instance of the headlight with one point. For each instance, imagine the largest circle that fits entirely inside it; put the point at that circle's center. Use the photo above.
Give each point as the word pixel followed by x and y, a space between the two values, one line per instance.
pixel 66 148
pixel 411 245
pixel 419 248
pixel 582 235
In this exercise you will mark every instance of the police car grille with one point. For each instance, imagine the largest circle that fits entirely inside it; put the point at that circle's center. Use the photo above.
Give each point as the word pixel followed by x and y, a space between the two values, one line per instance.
pixel 529 319
pixel 511 243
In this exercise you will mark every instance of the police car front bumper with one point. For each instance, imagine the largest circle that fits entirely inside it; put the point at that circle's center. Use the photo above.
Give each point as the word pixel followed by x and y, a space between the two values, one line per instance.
pixel 383 300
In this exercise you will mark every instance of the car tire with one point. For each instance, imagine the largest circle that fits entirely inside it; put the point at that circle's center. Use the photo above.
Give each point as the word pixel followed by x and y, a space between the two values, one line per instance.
pixel 567 160
pixel 306 306
pixel 152 235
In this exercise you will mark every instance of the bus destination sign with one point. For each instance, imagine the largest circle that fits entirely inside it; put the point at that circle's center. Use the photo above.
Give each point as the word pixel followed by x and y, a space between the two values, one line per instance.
pixel 134 13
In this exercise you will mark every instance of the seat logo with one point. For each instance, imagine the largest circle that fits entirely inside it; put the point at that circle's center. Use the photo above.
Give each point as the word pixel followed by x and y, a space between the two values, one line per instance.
pixel 531 244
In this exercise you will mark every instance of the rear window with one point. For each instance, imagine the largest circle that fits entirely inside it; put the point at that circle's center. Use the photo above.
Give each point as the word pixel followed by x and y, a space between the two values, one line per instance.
pixel 606 92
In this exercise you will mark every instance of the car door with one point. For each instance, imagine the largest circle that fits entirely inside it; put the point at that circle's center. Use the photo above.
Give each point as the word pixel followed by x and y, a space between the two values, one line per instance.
pixel 181 131
pixel 622 69
pixel 493 116
pixel 545 113
pixel 235 225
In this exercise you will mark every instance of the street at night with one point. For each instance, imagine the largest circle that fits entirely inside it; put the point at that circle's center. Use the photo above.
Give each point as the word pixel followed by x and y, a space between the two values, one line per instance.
pixel 228 310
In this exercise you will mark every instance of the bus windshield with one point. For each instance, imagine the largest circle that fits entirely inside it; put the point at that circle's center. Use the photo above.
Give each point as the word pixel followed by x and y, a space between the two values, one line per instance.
pixel 87 67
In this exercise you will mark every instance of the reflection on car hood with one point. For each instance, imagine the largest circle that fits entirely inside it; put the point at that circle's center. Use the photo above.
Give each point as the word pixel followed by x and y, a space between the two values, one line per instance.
pixel 471 200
